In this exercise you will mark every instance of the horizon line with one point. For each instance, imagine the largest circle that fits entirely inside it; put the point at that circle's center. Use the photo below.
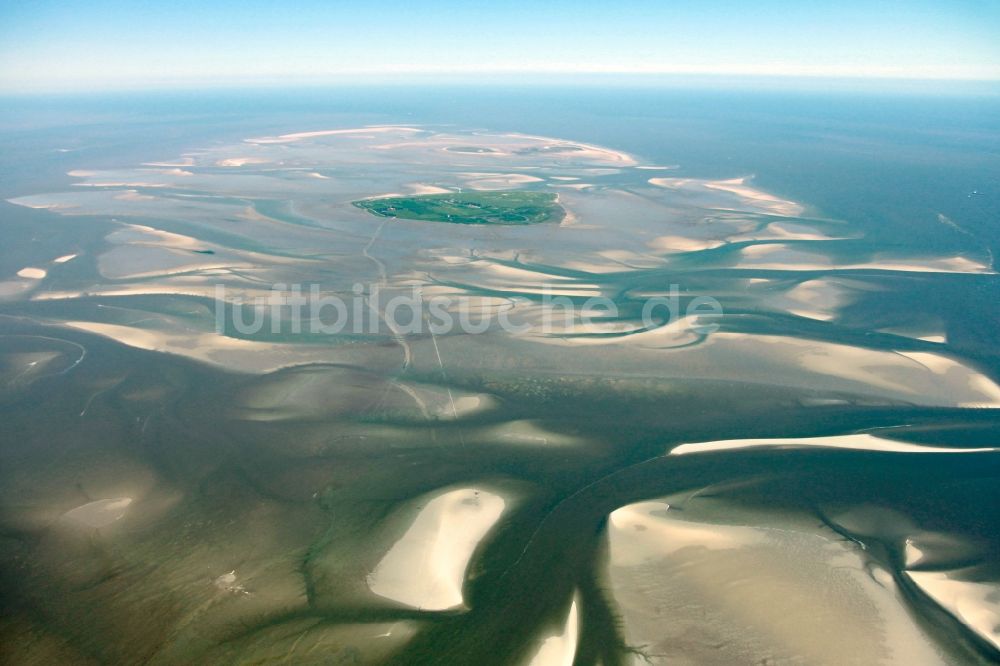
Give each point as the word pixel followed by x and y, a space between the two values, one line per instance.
pixel 362 78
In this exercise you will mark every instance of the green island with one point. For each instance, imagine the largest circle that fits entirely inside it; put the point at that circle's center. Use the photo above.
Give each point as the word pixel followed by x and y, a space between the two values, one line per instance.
pixel 508 208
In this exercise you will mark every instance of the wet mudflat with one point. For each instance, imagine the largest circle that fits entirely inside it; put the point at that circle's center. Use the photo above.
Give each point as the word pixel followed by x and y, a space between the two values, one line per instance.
pixel 542 468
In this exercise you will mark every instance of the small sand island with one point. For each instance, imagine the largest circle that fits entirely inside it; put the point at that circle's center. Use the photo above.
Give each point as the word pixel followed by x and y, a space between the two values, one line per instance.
pixel 508 207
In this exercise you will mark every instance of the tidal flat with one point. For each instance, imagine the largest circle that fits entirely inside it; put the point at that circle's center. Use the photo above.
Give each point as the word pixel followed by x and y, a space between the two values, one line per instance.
pixel 807 475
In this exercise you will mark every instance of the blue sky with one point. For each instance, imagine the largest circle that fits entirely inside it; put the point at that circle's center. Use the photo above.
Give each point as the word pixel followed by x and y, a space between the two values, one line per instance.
pixel 103 44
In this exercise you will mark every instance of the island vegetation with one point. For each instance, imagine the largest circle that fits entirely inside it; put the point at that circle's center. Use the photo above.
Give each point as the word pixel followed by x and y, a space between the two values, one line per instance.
pixel 516 207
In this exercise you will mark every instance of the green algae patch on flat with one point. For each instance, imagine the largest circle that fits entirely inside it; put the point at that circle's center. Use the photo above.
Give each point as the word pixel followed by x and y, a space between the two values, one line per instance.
pixel 504 208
